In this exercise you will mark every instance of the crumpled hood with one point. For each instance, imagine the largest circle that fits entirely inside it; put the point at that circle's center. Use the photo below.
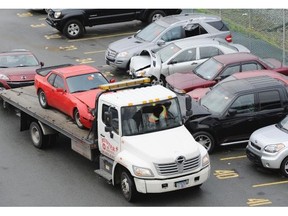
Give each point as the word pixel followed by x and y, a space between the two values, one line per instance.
pixel 151 146
pixel 269 135
pixel 128 43
pixel 188 81
pixel 88 97
pixel 19 73
pixel 139 62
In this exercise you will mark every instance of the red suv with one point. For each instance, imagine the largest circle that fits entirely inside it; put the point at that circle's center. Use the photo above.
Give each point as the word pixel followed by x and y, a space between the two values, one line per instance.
pixel 18 68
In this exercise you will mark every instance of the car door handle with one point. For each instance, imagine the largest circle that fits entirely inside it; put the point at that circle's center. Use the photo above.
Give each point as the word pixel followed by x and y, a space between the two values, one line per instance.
pixel 102 135
pixel 194 63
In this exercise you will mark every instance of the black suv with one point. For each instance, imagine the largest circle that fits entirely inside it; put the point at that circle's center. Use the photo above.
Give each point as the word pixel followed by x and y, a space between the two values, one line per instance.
pixel 72 22
pixel 232 110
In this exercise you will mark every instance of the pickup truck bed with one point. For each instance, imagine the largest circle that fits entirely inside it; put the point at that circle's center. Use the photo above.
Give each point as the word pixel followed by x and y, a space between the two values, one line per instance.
pixel 26 100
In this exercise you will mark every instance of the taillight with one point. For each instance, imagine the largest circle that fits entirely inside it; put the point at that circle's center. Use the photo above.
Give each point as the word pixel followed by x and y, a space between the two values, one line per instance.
pixel 228 38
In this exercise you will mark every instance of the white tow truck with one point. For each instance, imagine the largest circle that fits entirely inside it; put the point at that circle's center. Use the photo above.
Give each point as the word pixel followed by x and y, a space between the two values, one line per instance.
pixel 140 155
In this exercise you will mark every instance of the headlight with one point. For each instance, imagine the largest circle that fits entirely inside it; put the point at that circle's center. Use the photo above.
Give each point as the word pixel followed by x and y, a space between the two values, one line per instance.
pixel 205 160
pixel 141 73
pixel 274 148
pixel 122 54
pixel 57 14
pixel 142 172
pixel 4 77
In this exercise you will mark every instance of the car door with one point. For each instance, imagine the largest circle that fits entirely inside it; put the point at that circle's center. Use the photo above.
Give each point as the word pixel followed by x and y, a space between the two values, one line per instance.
pixel 238 121
pixel 183 62
pixel 271 109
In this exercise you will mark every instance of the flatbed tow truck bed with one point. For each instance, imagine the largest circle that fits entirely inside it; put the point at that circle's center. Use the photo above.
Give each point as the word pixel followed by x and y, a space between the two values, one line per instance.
pixel 26 100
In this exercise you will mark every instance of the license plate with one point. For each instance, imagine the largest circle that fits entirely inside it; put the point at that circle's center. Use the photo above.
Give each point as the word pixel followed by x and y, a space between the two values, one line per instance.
pixel 181 184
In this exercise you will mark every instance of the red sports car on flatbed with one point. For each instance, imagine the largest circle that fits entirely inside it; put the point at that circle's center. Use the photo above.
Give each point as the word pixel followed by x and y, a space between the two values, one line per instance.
pixel 70 89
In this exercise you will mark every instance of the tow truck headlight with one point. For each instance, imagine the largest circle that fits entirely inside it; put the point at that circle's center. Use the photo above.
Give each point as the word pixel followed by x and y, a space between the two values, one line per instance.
pixel 273 148
pixel 57 14
pixel 122 54
pixel 205 160
pixel 4 77
pixel 142 172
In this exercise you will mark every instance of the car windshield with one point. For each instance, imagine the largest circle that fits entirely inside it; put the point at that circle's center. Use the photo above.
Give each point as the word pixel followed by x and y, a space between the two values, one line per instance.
pixel 209 69
pixel 18 60
pixel 152 117
pixel 216 100
pixel 85 82
pixel 168 51
pixel 284 123
pixel 150 32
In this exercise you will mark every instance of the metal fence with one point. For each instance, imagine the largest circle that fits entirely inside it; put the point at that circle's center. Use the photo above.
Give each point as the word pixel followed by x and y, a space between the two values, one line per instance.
pixel 263 31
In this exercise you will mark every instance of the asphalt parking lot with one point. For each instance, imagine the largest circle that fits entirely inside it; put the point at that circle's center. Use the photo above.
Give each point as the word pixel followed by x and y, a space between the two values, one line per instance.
pixel 234 181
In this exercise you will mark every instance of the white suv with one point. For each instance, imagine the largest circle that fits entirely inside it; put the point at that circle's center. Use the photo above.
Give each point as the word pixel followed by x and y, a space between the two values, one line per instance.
pixel 163 31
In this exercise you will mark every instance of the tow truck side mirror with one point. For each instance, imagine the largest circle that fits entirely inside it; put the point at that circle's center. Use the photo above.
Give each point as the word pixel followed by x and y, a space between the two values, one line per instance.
pixel 108 122
pixel 188 104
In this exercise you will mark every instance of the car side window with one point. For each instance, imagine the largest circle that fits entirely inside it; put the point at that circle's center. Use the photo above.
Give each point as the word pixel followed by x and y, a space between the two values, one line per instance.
pixel 230 70
pixel 244 104
pixel 251 66
pixel 173 34
pixel 269 100
pixel 186 55
pixel 209 51
pixel 51 78
pixel 58 82
pixel 194 30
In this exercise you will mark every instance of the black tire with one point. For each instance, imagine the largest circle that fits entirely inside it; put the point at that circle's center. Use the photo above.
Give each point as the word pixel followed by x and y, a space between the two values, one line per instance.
pixel 128 187
pixel 73 29
pixel 205 139
pixel 76 117
pixel 42 99
pixel 284 167
pixel 38 139
pixel 155 15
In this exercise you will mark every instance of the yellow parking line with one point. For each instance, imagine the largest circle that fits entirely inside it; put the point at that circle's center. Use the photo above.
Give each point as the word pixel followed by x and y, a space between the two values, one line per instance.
pixel 233 158
pixel 270 184
pixel 100 37
pixel 92 52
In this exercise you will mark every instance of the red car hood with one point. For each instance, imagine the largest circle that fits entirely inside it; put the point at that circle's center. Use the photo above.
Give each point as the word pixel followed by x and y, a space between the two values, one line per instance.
pixel 88 97
pixel 19 73
pixel 188 81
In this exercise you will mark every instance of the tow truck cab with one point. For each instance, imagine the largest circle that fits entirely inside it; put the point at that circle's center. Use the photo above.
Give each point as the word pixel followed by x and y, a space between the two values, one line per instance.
pixel 144 156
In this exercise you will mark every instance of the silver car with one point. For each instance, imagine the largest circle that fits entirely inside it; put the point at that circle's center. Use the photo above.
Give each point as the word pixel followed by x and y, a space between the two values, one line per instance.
pixel 179 57
pixel 268 147
pixel 163 31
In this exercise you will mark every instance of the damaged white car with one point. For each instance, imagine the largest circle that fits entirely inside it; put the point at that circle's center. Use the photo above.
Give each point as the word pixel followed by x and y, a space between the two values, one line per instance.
pixel 179 57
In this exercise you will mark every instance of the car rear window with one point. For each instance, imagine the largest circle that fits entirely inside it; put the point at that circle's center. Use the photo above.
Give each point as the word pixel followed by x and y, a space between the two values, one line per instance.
pixel 219 25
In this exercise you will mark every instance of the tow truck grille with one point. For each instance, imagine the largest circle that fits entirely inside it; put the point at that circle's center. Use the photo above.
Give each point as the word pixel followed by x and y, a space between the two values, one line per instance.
pixel 188 165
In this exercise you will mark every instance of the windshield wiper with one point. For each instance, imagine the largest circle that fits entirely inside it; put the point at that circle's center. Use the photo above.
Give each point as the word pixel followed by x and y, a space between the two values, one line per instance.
pixel 3 67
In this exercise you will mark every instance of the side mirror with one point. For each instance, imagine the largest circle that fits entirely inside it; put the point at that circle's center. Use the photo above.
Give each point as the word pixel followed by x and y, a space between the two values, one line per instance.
pixel 41 64
pixel 161 43
pixel 112 81
pixel 232 112
pixel 60 90
pixel 108 118
pixel 188 104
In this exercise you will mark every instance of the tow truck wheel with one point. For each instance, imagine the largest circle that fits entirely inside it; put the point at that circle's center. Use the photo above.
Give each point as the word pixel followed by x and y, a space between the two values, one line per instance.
pixel 37 137
pixel 284 167
pixel 128 187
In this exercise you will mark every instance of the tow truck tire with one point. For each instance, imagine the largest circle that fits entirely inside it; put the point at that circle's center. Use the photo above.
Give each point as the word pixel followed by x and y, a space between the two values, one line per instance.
pixel 284 167
pixel 73 29
pixel 39 140
pixel 128 187
pixel 205 139
pixel 42 99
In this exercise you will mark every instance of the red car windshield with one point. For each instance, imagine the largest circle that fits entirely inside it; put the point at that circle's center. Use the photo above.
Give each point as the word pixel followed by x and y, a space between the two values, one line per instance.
pixel 85 82
pixel 209 69
pixel 18 60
